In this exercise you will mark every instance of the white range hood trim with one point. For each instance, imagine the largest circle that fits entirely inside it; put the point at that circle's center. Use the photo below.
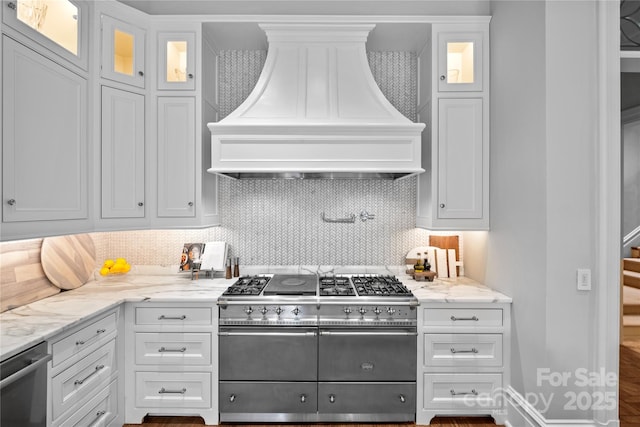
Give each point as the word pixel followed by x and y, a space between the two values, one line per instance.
pixel 316 109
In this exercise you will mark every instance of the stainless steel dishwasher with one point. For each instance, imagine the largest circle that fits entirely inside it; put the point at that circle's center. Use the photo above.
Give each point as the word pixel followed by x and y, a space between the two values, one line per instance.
pixel 23 388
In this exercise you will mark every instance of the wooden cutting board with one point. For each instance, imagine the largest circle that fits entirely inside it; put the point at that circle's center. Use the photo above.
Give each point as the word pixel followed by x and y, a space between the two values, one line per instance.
pixel 22 278
pixel 68 261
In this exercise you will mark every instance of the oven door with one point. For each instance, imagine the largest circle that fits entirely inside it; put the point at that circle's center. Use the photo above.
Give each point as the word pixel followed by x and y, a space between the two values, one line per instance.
pixel 268 353
pixel 367 354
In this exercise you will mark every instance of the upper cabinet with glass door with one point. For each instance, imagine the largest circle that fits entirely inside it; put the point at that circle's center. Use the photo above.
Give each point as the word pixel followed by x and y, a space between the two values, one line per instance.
pixel 60 26
pixel 122 52
pixel 460 61
pixel 176 61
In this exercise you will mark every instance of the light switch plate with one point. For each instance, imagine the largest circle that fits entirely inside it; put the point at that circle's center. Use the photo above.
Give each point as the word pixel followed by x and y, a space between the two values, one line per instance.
pixel 583 279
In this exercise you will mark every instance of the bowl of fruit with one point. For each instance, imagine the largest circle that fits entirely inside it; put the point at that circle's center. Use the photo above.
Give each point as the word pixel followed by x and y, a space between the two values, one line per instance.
pixel 111 267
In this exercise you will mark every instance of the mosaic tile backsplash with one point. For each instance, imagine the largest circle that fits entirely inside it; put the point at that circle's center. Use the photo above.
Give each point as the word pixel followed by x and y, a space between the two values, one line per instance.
pixel 278 222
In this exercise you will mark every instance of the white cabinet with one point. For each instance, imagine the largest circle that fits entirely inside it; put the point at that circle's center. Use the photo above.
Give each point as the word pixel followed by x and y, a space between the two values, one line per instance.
pixel 171 360
pixel 176 157
pixel 460 60
pixel 453 194
pixel 460 158
pixel 44 138
pixel 84 373
pixel 176 60
pixel 463 359
pixel 123 124
pixel 123 57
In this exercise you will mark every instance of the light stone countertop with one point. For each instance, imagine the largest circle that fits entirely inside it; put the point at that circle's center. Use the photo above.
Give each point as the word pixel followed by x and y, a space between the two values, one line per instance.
pixel 30 324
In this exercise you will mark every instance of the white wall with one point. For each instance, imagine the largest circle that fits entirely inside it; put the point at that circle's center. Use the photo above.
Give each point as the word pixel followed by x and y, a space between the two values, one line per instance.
pixel 543 188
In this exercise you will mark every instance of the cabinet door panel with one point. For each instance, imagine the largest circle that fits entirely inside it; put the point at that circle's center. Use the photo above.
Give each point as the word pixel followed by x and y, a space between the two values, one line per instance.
pixel 122 154
pixel 176 61
pixel 460 151
pixel 44 138
pixel 176 157
pixel 122 52
pixel 460 61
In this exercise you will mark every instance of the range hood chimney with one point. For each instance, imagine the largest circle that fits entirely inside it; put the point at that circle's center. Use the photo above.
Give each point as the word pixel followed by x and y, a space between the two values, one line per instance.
pixel 316 112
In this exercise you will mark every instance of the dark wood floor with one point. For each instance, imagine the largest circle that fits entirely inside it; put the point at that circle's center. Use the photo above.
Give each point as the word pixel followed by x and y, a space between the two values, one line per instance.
pixel 197 422
pixel 629 398
pixel 629 403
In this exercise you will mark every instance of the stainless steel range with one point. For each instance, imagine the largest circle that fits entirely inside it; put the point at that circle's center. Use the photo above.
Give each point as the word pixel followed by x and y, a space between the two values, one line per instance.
pixel 306 348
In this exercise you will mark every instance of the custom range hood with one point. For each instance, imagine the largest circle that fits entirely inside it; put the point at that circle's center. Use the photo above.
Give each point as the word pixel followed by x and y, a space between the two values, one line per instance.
pixel 316 112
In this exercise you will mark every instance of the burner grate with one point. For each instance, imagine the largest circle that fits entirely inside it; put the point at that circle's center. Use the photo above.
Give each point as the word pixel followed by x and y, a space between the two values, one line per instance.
pixel 247 285
pixel 336 286
pixel 388 286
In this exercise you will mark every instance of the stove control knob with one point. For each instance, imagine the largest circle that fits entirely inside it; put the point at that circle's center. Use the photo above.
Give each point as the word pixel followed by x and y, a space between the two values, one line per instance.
pixel 248 310
pixel 279 311
pixel 347 310
pixel 295 311
pixel 391 311
pixel 264 310
pixel 377 311
pixel 362 310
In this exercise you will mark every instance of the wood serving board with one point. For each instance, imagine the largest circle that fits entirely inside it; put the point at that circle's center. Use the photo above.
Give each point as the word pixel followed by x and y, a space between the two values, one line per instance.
pixel 68 261
pixel 22 278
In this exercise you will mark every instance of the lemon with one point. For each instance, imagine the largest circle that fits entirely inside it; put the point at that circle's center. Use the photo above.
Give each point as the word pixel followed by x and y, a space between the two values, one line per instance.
pixel 127 267
pixel 121 261
pixel 109 263
pixel 104 271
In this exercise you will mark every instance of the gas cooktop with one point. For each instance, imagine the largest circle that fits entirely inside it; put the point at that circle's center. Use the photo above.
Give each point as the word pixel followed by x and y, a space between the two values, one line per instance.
pixel 358 285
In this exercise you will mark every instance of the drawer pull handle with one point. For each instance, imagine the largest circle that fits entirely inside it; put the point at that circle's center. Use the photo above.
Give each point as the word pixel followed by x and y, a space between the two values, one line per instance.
pixel 79 382
pixel 474 318
pixel 165 391
pixel 232 398
pixel 98 332
pixel 402 398
pixel 163 317
pixel 464 393
pixel 303 398
pixel 172 350
pixel 473 350
pixel 99 415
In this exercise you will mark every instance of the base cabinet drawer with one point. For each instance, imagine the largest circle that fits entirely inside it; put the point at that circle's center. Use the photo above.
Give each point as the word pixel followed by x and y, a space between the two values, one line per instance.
pixel 98 412
pixel 173 348
pixel 173 390
pixel 462 391
pixel 268 397
pixel 75 383
pixel 463 350
pixel 99 331
pixel 462 317
pixel 367 398
pixel 172 316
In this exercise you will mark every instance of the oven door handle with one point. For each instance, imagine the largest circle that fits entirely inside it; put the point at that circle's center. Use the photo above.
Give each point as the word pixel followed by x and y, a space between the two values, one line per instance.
pixel 26 371
pixel 267 334
pixel 369 333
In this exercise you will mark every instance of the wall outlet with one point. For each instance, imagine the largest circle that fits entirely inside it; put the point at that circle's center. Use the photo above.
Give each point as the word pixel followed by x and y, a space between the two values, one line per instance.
pixel 583 279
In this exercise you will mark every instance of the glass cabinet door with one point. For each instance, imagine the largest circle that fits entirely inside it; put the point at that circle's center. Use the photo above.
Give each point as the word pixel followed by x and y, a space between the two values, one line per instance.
pixel 459 61
pixel 122 52
pixel 176 61
pixel 61 26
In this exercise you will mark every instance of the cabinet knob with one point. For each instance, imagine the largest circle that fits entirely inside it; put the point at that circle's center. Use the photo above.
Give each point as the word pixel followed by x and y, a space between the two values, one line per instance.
pixel 190 204
pixel 442 77
pixel 140 204
pixel 190 75
pixel 141 73
pixel 442 205
pixel 332 398
pixel 232 398
pixel 11 202
pixel 11 5
pixel 303 398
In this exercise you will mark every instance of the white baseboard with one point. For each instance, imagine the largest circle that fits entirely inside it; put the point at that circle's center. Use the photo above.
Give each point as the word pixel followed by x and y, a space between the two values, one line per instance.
pixel 523 414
